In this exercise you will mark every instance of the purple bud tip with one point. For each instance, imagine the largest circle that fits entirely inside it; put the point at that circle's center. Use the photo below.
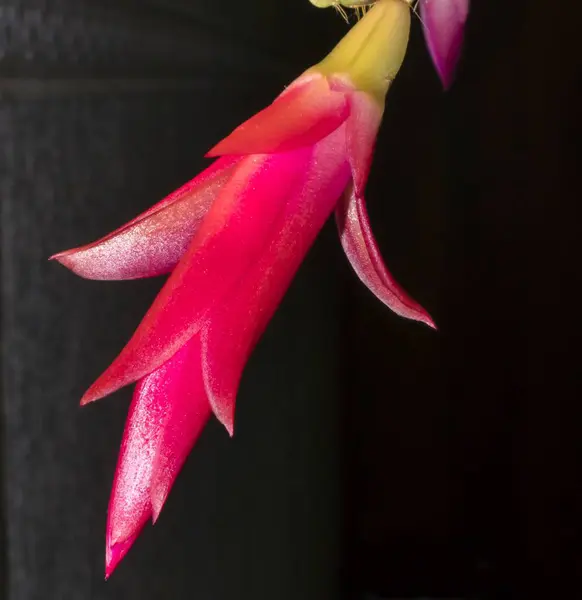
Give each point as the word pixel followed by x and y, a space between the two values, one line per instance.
pixel 444 24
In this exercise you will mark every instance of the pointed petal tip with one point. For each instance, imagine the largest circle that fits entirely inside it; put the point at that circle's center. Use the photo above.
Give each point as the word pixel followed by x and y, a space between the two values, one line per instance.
pixel 416 312
pixel 158 496
pixel 115 553
pixel 224 412
pixel 67 259
pixel 158 500
pixel 73 261
pixel 409 309
pixel 446 81
pixel 64 259
pixel 100 388
pixel 87 398
pixel 428 320
pixel 94 393
pixel 62 254
pixel 446 75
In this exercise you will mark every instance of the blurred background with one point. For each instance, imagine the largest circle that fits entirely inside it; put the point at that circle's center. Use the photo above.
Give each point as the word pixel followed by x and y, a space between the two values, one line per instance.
pixel 372 455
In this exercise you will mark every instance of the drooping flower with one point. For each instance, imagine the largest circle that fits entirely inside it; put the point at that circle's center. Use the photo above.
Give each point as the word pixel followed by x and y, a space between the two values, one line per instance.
pixel 232 239
pixel 444 26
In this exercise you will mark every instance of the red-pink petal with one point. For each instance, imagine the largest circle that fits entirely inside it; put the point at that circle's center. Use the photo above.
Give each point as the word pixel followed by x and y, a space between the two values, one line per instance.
pixel 152 243
pixel 362 252
pixel 234 326
pixel 229 241
pixel 362 129
pixel 188 413
pixel 129 504
pixel 304 114
pixel 444 26
pixel 116 553
pixel 168 411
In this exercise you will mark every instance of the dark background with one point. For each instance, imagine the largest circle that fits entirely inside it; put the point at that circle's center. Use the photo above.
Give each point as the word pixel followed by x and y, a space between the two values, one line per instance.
pixel 372 454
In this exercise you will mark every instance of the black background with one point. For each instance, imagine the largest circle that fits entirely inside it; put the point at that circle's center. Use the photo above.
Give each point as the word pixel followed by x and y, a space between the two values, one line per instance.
pixel 371 453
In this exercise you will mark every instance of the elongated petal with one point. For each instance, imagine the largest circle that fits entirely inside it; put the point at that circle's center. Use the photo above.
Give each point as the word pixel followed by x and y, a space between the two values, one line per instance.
pixel 444 25
pixel 188 413
pixel 362 252
pixel 362 129
pixel 129 504
pixel 152 243
pixel 301 116
pixel 167 414
pixel 234 326
pixel 230 240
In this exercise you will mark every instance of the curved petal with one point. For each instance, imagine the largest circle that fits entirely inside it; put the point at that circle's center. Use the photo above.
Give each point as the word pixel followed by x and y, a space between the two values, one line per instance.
pixel 361 132
pixel 304 114
pixel 152 243
pixel 362 252
pixel 444 25
pixel 167 413
pixel 234 327
pixel 230 240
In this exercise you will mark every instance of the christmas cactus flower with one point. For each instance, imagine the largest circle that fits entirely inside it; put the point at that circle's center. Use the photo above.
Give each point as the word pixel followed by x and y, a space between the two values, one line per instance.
pixel 444 25
pixel 232 240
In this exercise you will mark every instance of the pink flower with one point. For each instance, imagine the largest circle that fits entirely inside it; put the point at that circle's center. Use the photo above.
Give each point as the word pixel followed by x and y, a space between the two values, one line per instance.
pixel 232 239
pixel 444 24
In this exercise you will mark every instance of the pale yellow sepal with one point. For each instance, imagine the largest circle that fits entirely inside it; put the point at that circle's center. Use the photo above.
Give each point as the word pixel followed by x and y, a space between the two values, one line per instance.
pixel 371 53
